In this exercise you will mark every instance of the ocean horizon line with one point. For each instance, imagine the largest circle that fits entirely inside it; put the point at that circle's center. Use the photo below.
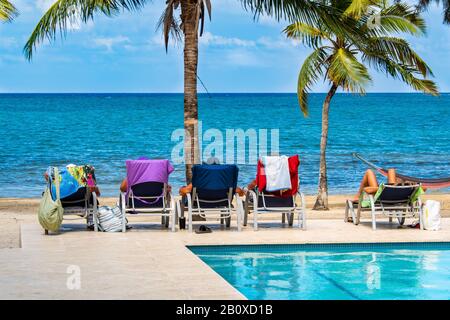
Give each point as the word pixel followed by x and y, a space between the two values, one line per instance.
pixel 204 93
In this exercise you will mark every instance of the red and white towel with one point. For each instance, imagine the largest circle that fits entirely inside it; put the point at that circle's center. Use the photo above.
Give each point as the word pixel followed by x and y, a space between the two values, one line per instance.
pixel 277 173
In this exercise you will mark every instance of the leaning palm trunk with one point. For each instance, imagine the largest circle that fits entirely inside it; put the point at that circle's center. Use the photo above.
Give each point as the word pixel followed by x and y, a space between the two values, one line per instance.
pixel 191 144
pixel 322 195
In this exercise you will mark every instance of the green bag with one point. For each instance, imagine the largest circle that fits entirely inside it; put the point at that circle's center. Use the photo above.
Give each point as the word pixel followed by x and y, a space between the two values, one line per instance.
pixel 51 212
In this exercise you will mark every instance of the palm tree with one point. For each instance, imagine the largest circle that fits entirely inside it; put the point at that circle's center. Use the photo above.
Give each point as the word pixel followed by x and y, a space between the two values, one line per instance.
pixel 7 10
pixel 424 4
pixel 342 60
pixel 191 22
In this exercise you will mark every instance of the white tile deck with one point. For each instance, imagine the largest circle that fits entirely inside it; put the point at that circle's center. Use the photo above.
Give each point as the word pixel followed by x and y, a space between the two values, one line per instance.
pixel 151 263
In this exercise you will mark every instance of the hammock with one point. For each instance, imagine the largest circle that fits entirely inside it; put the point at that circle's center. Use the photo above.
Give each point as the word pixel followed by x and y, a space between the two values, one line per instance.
pixel 428 183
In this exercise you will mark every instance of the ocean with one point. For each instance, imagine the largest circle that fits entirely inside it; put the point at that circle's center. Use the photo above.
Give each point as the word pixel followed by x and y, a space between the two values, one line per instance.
pixel 407 131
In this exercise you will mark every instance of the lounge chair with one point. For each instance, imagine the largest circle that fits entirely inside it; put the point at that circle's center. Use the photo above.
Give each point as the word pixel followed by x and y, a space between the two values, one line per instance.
pixel 213 191
pixel 259 201
pixel 147 192
pixel 82 203
pixel 392 201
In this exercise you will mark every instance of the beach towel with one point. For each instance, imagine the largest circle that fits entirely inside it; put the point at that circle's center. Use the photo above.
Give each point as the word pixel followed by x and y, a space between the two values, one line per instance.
pixel 277 173
pixel 71 178
pixel 215 176
pixel 140 171
pixel 294 162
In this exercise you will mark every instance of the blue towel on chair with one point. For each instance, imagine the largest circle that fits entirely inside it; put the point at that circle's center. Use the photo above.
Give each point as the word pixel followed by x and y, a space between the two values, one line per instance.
pixel 215 176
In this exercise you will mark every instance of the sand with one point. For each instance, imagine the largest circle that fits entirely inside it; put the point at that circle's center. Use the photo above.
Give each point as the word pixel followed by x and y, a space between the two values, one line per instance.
pixel 14 211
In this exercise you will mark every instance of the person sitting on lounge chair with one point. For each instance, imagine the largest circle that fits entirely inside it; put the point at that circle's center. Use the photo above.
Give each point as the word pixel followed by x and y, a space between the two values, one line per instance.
pixel 76 176
pixel 369 182
pixel 78 191
pixel 370 185
pixel 124 183
pixel 148 191
pixel 184 190
pixel 293 162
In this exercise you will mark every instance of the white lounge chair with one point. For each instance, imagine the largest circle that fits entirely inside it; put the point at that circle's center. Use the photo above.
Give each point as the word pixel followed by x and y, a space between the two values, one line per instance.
pixel 212 194
pixel 392 201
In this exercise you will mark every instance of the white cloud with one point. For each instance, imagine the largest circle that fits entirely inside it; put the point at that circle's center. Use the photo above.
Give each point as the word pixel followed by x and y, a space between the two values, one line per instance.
pixel 8 42
pixel 109 43
pixel 242 57
pixel 157 39
pixel 210 39
pixel 277 43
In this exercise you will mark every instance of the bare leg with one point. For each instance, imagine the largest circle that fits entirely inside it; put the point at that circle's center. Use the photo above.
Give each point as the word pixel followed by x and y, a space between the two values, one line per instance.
pixel 369 183
pixel 391 176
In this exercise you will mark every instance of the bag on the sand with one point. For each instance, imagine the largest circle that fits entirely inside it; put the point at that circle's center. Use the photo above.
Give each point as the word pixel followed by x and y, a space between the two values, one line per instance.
pixel 51 211
pixel 109 219
pixel 431 215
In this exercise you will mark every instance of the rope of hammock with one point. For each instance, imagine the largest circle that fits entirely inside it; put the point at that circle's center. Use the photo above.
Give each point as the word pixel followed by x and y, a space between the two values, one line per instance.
pixel 426 182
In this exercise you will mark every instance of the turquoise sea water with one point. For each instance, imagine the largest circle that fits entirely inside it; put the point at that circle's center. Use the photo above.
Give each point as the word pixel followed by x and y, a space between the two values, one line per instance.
pixel 344 272
pixel 407 131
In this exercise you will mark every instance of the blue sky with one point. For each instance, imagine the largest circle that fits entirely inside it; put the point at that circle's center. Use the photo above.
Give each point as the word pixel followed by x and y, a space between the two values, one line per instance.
pixel 126 54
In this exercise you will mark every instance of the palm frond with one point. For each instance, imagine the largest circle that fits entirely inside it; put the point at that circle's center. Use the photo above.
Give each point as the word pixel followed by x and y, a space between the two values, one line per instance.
pixel 291 10
pixel 399 51
pixel 402 18
pixel 311 71
pixel 208 7
pixel 7 11
pixel 446 11
pixel 407 74
pixel 424 4
pixel 311 12
pixel 168 23
pixel 204 7
pixel 58 17
pixel 309 35
pixel 357 8
pixel 347 72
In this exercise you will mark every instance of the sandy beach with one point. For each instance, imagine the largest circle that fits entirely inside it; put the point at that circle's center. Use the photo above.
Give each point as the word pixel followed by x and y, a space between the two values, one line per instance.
pixel 15 211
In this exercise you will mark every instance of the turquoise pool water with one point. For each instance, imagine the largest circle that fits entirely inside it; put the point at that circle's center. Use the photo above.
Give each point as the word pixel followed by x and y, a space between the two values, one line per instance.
pixel 343 271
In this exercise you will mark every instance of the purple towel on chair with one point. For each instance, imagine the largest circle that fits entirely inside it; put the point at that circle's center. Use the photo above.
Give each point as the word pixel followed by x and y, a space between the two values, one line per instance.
pixel 139 171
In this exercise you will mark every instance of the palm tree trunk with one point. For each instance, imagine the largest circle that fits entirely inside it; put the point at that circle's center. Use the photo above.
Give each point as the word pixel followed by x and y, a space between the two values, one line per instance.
pixel 322 195
pixel 190 20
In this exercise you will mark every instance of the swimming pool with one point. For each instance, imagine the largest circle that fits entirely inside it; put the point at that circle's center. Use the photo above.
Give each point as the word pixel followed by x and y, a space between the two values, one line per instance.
pixel 334 271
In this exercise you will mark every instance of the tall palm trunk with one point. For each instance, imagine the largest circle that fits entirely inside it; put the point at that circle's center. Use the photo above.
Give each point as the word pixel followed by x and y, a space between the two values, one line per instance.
pixel 322 195
pixel 189 16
